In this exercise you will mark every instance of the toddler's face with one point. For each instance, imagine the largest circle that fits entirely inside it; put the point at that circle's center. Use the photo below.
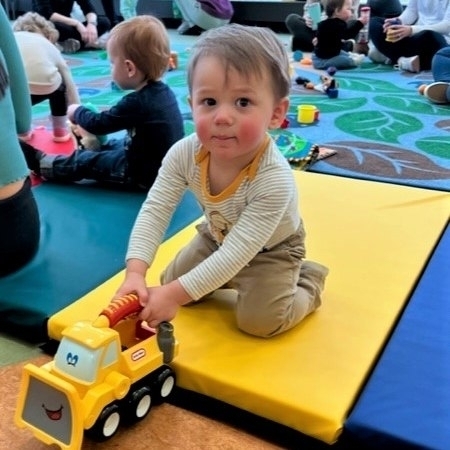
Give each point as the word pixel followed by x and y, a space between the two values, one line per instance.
pixel 345 13
pixel 232 113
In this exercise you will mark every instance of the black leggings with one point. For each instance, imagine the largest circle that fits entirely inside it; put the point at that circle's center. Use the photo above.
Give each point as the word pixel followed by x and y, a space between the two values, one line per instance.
pixel 57 101
pixel 424 44
pixel 19 229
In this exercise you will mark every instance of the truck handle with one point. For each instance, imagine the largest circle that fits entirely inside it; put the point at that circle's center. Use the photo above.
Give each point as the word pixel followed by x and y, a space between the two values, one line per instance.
pixel 120 308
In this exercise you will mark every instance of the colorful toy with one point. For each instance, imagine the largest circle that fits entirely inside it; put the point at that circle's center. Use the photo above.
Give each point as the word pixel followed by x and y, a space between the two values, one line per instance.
pixel 331 71
pixel 297 55
pixel 104 371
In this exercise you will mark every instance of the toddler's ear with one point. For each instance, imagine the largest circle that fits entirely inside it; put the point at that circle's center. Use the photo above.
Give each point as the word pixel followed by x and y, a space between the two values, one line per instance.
pixel 279 113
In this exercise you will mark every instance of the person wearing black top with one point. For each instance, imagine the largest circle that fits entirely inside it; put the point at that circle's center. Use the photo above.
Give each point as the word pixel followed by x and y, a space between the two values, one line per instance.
pixel 73 33
pixel 139 52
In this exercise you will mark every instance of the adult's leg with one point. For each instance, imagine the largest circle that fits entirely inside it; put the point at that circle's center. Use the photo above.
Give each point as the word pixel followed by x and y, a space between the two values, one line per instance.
pixel 19 229
pixel 302 35
pixel 110 12
pixel 424 44
pixel 440 65
pixel 193 14
pixel 439 91
pixel 385 8
pixel 67 32
pixel 103 25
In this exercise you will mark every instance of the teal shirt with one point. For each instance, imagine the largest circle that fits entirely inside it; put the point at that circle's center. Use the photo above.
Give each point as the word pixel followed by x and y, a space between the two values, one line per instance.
pixel 15 107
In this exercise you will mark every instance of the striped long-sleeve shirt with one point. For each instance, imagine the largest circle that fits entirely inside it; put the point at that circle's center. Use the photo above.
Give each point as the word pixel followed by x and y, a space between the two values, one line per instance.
pixel 256 212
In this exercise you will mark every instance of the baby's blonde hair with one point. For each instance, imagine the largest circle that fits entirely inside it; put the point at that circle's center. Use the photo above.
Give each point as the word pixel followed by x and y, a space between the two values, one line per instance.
pixel 144 40
pixel 35 23
pixel 247 49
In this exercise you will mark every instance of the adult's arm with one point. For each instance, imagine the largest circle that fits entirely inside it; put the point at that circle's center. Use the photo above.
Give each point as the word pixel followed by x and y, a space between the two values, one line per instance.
pixel 20 93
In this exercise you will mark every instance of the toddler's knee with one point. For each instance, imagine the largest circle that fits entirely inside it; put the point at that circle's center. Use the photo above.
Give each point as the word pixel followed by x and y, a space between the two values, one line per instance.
pixel 258 325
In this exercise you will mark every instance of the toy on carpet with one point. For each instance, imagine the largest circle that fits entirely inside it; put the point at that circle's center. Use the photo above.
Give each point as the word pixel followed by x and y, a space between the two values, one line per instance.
pixel 306 61
pixel 104 371
pixel 297 55
pixel 327 85
pixel 316 153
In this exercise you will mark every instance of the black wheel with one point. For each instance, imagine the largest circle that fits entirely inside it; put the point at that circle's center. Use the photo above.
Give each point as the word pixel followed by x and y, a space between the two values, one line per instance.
pixel 164 384
pixel 107 423
pixel 139 403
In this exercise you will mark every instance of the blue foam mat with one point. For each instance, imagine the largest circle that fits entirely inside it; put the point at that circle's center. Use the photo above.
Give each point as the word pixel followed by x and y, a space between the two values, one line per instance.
pixel 84 235
pixel 406 403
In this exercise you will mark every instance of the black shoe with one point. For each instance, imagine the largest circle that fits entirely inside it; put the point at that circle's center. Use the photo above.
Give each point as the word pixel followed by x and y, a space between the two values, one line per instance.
pixel 33 157
pixel 193 31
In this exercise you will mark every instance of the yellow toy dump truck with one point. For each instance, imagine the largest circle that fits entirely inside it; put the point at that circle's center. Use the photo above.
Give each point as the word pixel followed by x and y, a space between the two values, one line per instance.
pixel 104 372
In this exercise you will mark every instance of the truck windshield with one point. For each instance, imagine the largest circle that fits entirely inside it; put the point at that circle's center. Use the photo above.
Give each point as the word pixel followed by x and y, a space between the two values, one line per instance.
pixel 77 360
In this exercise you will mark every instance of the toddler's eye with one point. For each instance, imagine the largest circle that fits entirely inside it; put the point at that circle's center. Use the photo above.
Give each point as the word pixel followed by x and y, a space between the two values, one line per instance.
pixel 209 102
pixel 242 102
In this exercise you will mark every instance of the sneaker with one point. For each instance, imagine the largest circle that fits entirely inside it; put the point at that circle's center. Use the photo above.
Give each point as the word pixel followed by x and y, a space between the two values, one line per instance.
pixel 190 30
pixel 358 58
pixel 184 27
pixel 33 157
pixel 61 135
pixel 409 64
pixel 69 46
pixel 377 57
pixel 26 136
pixel 438 92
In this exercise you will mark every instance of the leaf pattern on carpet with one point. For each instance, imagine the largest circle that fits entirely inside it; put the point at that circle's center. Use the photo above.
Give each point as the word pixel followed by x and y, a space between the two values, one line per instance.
pixel 380 126
pixel 395 163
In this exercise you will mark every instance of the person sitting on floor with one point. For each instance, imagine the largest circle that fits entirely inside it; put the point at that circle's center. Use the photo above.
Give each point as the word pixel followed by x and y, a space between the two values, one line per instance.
pixel 386 9
pixel 331 33
pixel 74 34
pixel 139 53
pixel 49 77
pixel 239 82
pixel 414 36
pixel 439 91
pixel 200 15
pixel 19 215
pixel 301 27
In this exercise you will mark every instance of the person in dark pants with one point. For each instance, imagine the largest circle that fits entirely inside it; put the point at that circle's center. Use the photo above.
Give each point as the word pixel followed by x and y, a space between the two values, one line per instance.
pixel 439 91
pixel 414 36
pixel 139 52
pixel 73 33
pixel 301 27
pixel 19 215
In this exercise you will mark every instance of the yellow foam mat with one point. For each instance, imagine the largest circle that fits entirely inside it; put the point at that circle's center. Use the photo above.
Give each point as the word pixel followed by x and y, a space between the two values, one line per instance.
pixel 375 238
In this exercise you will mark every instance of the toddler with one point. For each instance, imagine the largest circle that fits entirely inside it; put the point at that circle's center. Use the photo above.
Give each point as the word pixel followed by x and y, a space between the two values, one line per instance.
pixel 139 52
pixel 252 239
pixel 332 32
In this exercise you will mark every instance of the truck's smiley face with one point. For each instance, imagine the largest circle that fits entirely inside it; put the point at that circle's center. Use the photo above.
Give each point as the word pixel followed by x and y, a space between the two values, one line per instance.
pixel 48 408
pixel 53 414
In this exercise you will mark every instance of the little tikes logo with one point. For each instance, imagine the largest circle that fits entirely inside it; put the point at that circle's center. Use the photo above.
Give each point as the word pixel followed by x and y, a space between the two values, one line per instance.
pixel 138 354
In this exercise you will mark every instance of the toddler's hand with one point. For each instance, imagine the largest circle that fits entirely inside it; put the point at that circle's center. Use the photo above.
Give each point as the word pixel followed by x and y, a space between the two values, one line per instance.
pixel 134 284
pixel 364 19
